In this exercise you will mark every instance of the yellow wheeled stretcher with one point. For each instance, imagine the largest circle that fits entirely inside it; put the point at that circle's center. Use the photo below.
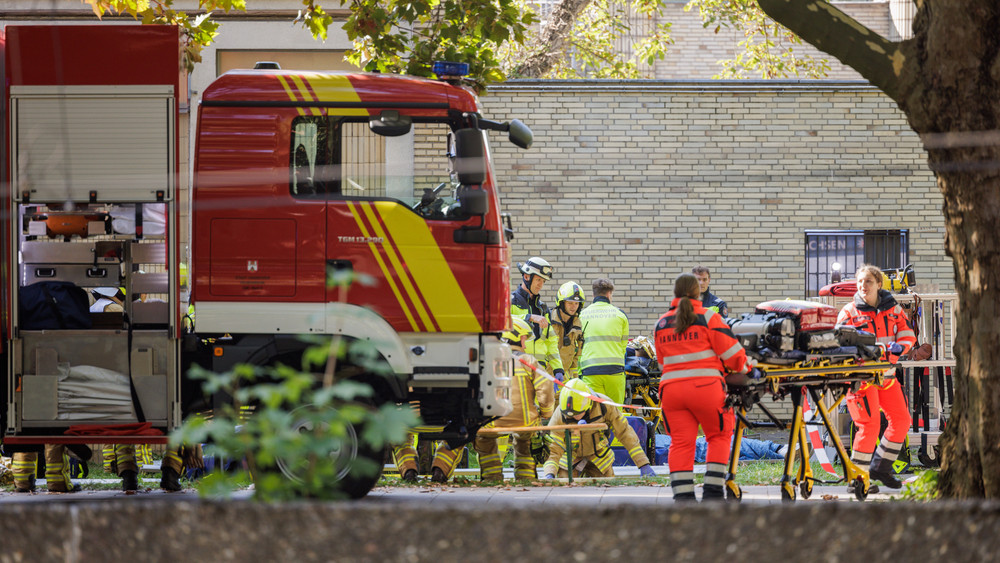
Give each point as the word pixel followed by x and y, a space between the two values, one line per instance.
pixel 815 378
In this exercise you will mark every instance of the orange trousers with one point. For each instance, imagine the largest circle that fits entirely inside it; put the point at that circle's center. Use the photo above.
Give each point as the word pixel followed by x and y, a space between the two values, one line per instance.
pixel 688 403
pixel 864 407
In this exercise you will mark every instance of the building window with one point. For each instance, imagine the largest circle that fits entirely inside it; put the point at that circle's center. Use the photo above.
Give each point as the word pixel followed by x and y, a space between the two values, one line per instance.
pixel 885 248
pixel 320 59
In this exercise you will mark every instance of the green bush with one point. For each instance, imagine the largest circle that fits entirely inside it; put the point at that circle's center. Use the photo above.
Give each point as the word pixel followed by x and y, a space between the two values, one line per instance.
pixel 923 489
pixel 303 437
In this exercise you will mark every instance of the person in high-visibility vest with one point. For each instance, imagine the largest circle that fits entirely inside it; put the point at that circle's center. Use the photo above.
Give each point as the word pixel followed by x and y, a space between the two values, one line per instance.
pixel 875 310
pixel 605 335
pixel 526 303
pixel 532 398
pixel 694 347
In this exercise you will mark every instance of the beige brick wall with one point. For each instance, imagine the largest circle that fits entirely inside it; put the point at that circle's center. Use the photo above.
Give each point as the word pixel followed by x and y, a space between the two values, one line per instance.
pixel 639 181
pixel 697 50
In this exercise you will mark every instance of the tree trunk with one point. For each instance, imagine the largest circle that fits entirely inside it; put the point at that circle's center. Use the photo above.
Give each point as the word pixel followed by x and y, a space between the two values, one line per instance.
pixel 546 49
pixel 946 80
pixel 970 446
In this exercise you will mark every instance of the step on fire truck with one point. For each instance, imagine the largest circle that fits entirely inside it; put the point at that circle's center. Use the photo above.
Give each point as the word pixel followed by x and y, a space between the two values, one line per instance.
pixel 297 176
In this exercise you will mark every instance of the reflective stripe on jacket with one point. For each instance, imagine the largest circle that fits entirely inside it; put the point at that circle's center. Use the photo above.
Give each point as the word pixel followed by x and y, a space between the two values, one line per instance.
pixel 705 349
pixel 886 321
pixel 570 354
pixel 605 334
pixel 545 346
pixel 593 443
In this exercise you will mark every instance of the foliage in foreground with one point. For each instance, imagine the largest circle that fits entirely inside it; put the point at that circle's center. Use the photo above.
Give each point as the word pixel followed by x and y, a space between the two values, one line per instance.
pixel 923 489
pixel 294 425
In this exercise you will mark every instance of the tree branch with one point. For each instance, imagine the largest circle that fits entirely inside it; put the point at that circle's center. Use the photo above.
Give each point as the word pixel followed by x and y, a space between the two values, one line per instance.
pixel 545 50
pixel 883 62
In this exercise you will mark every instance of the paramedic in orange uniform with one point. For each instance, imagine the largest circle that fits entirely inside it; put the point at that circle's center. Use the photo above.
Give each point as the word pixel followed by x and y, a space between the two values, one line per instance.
pixel 874 310
pixel 695 347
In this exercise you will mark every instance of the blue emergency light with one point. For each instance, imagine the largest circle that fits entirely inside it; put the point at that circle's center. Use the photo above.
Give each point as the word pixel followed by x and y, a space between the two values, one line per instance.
pixel 448 68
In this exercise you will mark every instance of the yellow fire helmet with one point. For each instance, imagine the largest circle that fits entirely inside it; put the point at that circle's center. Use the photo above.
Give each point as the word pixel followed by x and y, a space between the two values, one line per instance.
pixel 570 291
pixel 519 328
pixel 574 398
pixel 642 343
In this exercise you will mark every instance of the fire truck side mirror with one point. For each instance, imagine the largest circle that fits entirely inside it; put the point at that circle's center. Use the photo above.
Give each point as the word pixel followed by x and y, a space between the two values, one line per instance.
pixel 475 201
pixel 470 157
pixel 520 134
pixel 390 124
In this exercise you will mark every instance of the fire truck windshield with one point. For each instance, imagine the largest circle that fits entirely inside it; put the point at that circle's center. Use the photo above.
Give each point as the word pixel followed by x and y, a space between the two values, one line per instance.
pixel 333 157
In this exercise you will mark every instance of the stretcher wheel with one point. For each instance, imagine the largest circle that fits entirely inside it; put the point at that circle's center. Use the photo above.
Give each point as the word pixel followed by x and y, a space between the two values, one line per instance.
pixel 860 491
pixel 787 492
pixel 926 460
pixel 735 493
pixel 806 488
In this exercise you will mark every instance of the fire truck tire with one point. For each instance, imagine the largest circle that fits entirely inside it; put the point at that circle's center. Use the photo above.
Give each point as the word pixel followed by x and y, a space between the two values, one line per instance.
pixel 347 479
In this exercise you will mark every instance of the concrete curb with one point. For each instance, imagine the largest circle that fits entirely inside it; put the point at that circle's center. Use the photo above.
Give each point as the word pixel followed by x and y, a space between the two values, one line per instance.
pixel 246 531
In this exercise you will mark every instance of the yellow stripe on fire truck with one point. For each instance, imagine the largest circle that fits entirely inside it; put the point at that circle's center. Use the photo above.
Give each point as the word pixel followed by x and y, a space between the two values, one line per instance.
pixel 431 272
pixel 306 94
pixel 391 249
pixel 291 93
pixel 334 88
pixel 377 253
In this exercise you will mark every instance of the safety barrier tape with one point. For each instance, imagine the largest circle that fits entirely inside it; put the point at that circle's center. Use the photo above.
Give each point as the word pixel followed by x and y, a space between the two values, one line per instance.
pixel 594 398
pixel 814 436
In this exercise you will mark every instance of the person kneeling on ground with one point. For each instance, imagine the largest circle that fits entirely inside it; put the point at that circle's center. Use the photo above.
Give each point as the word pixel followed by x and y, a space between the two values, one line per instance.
pixel 592 454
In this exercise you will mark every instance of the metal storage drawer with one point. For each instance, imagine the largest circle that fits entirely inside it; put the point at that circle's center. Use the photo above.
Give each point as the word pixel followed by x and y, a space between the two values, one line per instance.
pixel 82 275
pixel 50 252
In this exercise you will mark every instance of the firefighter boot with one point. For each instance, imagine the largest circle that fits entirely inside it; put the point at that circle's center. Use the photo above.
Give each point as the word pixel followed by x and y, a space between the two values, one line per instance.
pixel 881 469
pixel 25 485
pixel 57 478
pixel 685 497
pixel 170 480
pixel 410 476
pixel 713 492
pixel 130 480
pixel 24 466
pixel 438 476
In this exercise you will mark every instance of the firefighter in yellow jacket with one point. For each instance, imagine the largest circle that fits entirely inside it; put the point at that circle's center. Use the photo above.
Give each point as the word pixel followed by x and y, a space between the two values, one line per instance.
pixel 566 324
pixel 592 454
pixel 526 303
pixel 532 397
pixel 442 468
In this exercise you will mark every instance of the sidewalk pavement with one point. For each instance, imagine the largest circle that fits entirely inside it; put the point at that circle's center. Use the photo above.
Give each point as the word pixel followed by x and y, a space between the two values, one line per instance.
pixel 591 492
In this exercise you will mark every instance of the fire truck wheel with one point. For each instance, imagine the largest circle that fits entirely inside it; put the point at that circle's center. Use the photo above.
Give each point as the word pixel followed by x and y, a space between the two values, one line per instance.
pixel 348 479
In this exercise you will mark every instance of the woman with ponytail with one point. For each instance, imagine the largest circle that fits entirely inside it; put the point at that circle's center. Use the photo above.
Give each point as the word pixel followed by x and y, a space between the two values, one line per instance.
pixel 695 348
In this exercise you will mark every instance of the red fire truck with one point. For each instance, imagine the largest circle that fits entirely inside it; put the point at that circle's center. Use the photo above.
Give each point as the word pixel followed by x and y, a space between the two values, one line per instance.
pixel 298 176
